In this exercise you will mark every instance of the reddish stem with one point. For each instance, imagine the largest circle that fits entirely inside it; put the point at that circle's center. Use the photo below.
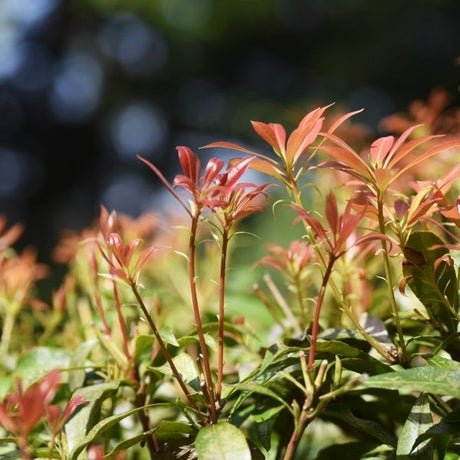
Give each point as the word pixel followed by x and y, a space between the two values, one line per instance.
pixel 199 326
pixel 97 296
pixel 122 323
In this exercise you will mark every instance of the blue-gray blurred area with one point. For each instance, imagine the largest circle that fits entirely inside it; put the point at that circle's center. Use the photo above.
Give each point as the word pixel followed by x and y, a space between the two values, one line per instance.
pixel 87 85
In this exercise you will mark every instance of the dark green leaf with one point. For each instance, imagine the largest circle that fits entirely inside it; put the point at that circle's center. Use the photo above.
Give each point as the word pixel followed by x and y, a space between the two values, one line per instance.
pixel 263 424
pixel 349 450
pixel 170 430
pixel 163 431
pixel 343 413
pixel 336 347
pixel 417 423
pixel 127 443
pixel 434 286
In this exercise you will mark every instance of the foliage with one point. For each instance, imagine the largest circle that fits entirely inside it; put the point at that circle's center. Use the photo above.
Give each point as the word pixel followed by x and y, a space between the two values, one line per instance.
pixel 153 346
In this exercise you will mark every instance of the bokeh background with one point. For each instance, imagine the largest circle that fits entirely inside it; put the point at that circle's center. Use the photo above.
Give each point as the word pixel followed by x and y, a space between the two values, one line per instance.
pixel 86 85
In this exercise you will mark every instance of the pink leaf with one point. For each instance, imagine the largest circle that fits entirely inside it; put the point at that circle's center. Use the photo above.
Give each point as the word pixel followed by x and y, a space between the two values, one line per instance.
pixel 341 120
pixel 380 149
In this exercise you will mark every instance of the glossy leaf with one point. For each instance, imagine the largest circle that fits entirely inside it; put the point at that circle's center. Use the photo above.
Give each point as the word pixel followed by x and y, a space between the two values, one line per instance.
pixel 78 426
pixel 222 441
pixel 264 422
pixel 443 363
pixel 423 379
pixel 163 431
pixel 371 428
pixel 101 427
pixel 186 366
pixel 39 361
pixel 432 282
pixel 417 423
pixel 78 360
pixel 346 450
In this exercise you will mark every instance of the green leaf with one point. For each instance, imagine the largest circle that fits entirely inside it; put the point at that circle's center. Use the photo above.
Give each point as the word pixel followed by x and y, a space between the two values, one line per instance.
pixel 371 428
pixel 417 423
pixel 103 426
pixel 5 385
pixel 78 426
pixel 434 286
pixel 170 430
pixel 78 360
pixel 253 387
pixel 163 431
pixel 222 441
pixel 186 366
pixel 127 443
pixel 263 425
pixel 423 379
pixel 168 336
pixel 443 363
pixel 142 344
pixel 338 348
pixel 188 339
pixel 346 450
pixel 9 453
pixel 39 361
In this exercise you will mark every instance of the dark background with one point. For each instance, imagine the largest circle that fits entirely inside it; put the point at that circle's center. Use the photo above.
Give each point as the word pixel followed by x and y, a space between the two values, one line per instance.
pixel 85 86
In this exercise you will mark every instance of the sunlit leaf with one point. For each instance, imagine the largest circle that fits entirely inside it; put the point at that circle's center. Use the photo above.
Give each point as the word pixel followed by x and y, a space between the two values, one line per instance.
pixel 84 420
pixel 186 366
pixel 433 285
pixel 39 361
pixel 417 423
pixel 222 441
pixel 422 379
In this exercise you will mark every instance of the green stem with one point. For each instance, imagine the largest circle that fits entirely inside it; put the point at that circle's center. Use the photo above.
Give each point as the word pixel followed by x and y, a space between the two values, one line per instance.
pixel 122 323
pixel 300 425
pixel 319 303
pixel 199 326
pixel 8 325
pixel 166 353
pixel 297 329
pixel 300 300
pixel 389 278
pixel 221 319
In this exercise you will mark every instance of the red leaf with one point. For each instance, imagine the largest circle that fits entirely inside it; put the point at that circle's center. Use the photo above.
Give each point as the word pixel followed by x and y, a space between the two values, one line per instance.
pixel 272 133
pixel 190 163
pixel 332 213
